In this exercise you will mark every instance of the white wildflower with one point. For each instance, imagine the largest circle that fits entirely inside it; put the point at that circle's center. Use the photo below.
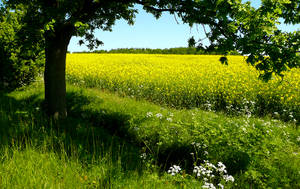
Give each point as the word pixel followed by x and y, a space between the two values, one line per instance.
pixel 209 171
pixel 173 170
pixel 228 178
pixel 220 185
pixel 198 170
pixel 221 167
pixel 295 153
pixel 208 185
pixel 149 114
pixel 244 129
pixel 169 119
pixel 210 165
pixel 159 115
pixel 143 156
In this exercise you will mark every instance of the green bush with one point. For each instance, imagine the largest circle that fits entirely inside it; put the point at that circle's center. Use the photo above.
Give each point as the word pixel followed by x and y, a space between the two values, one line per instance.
pixel 21 55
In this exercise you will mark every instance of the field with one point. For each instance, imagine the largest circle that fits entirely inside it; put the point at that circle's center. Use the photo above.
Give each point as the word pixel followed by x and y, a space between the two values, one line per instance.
pixel 190 81
pixel 154 121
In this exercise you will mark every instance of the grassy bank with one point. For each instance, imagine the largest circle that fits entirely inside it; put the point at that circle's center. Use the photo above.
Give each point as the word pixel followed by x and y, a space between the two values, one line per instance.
pixel 114 142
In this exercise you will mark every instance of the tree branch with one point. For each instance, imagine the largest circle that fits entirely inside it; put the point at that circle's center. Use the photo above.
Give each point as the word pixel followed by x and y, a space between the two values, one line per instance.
pixel 157 9
pixel 86 10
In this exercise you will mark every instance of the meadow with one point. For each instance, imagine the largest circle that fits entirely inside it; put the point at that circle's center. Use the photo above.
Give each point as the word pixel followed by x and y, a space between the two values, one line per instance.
pixel 109 141
pixel 190 81
pixel 154 121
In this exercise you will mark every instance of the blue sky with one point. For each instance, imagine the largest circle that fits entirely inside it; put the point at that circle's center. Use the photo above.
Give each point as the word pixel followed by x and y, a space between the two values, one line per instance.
pixel 147 32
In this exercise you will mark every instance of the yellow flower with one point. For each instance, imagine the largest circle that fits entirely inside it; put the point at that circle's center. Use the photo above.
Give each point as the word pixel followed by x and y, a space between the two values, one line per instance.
pixel 168 78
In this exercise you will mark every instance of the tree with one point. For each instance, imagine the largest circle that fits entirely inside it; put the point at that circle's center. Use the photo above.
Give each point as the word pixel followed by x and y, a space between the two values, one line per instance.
pixel 19 63
pixel 233 26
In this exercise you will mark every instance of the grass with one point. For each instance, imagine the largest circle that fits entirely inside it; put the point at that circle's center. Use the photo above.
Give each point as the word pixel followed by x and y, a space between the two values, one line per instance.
pixel 101 143
pixel 35 153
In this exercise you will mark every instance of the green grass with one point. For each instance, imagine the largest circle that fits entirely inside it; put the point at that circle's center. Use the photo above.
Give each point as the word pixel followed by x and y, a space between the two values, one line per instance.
pixel 100 144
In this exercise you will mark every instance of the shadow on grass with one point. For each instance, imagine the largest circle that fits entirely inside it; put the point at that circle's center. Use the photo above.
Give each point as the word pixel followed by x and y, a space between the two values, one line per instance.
pixel 88 133
pixel 22 122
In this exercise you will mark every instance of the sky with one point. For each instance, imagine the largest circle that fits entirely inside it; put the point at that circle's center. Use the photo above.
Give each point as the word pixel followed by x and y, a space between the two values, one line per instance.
pixel 148 32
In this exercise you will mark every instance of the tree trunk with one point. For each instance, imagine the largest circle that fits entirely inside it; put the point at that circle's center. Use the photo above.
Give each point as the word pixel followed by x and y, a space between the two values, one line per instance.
pixel 54 77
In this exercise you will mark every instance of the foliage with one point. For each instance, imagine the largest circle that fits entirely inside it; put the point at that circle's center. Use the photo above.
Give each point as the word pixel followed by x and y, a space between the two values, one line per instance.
pixel 81 153
pixel 254 32
pixel 21 59
pixel 190 81
pixel 271 50
pixel 233 25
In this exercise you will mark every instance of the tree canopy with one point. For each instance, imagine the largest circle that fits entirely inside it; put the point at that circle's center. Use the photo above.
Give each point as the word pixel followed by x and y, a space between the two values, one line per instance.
pixel 229 25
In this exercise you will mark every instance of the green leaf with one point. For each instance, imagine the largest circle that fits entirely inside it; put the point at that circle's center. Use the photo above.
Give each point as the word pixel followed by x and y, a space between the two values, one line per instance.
pixel 224 60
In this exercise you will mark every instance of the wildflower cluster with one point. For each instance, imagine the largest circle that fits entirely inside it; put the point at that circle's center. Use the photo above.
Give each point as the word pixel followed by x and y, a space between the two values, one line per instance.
pixel 173 170
pixel 212 174
pixel 246 107
pixel 160 116
pixel 149 114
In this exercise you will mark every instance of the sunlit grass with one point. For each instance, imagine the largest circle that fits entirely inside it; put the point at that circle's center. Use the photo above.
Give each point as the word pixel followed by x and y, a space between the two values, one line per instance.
pixel 114 142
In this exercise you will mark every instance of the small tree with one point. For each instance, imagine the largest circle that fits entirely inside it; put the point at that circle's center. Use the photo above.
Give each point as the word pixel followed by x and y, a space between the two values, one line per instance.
pixel 19 63
pixel 233 26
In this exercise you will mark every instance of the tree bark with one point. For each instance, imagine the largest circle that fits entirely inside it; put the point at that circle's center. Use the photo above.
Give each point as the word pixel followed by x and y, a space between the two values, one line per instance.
pixel 56 42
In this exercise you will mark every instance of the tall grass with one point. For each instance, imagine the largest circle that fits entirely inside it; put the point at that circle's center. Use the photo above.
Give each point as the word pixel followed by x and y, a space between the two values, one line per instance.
pixel 36 153
pixel 114 142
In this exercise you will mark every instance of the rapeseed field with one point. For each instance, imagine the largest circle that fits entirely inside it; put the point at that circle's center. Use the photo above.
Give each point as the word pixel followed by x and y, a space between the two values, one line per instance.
pixel 190 81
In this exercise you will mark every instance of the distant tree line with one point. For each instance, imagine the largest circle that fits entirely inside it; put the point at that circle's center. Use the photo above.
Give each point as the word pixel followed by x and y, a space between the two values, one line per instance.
pixel 177 50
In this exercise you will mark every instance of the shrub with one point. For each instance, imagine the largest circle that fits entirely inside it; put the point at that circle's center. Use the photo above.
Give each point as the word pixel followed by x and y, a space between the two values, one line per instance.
pixel 21 55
